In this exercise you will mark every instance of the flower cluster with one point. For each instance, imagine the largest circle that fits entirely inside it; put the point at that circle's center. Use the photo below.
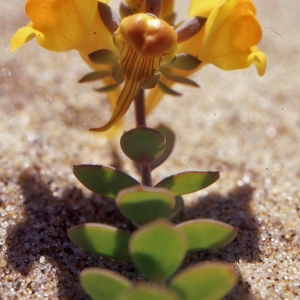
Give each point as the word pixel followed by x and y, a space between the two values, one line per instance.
pixel 143 48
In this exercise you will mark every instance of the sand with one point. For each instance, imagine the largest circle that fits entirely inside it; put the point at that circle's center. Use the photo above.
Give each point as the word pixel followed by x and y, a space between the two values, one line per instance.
pixel 245 126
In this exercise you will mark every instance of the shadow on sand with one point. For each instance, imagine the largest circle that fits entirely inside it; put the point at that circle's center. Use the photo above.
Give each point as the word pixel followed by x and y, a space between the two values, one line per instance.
pixel 47 218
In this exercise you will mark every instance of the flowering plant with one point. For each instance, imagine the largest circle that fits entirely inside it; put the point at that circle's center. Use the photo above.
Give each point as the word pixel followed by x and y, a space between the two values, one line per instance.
pixel 141 49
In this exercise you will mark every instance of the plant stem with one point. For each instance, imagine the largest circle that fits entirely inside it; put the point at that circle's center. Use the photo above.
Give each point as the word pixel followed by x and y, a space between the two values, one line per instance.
pixel 140 116
pixel 139 103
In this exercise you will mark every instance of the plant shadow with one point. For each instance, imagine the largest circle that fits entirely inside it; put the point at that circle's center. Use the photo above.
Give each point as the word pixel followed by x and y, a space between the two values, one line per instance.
pixel 41 238
pixel 234 209
pixel 42 235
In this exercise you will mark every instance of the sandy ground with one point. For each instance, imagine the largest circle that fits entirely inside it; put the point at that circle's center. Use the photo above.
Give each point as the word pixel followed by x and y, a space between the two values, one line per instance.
pixel 245 126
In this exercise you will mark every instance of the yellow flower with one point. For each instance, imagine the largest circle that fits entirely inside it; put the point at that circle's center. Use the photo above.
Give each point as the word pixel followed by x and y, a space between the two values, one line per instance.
pixel 143 50
pixel 228 40
pixel 146 43
pixel 230 35
pixel 58 25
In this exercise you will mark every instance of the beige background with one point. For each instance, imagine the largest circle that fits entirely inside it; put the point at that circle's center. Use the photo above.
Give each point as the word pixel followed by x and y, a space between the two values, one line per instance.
pixel 245 126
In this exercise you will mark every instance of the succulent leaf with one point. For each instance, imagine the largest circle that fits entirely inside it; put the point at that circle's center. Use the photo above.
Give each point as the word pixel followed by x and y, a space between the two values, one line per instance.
pixel 188 182
pixel 207 281
pixel 102 284
pixel 157 249
pixel 101 239
pixel 206 234
pixel 143 144
pixel 103 180
pixel 144 204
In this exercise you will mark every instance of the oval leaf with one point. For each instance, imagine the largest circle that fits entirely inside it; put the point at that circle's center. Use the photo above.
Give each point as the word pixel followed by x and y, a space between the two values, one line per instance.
pixel 170 142
pixel 147 292
pixel 157 249
pixel 206 234
pixel 188 182
pixel 102 180
pixel 144 204
pixel 143 144
pixel 208 281
pixel 102 284
pixel 101 239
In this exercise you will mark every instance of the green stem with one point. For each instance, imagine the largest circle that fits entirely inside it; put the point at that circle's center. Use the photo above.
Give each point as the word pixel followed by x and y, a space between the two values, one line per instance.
pixel 140 116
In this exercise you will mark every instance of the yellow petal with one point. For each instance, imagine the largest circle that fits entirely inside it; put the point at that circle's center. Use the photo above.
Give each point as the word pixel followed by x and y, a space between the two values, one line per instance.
pixel 259 59
pixel 202 8
pixel 99 37
pixel 127 95
pixel 230 33
pixel 167 10
pixel 58 25
pixel 22 36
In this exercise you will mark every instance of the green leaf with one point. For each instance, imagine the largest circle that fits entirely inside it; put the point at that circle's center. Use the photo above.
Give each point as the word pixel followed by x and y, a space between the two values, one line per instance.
pixel 185 61
pixel 104 57
pixel 167 90
pixel 149 292
pixel 102 180
pixel 179 204
pixel 170 141
pixel 143 144
pixel 94 76
pixel 107 88
pixel 183 80
pixel 101 239
pixel 157 249
pixel 206 234
pixel 188 182
pixel 208 281
pixel 102 284
pixel 144 204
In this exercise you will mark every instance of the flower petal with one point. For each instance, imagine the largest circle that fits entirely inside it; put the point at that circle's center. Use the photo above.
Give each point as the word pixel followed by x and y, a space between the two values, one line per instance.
pixel 230 33
pixel 127 95
pixel 259 59
pixel 202 8
pixel 58 25
pixel 22 36
pixel 99 37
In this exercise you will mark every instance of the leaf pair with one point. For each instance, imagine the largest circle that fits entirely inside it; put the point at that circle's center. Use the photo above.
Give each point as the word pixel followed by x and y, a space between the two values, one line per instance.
pixel 109 241
pixel 206 281
pixel 158 249
pixel 141 204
